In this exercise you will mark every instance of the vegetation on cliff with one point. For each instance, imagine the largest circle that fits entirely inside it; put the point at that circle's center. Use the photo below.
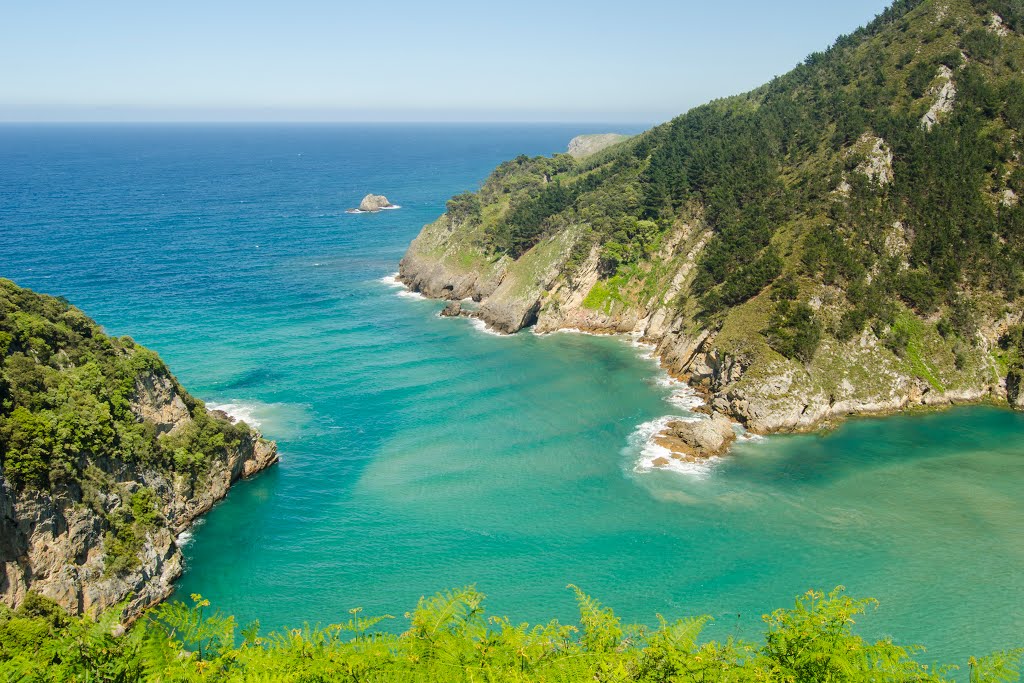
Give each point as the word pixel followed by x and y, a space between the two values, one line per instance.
pixel 101 450
pixel 450 638
pixel 66 393
pixel 868 203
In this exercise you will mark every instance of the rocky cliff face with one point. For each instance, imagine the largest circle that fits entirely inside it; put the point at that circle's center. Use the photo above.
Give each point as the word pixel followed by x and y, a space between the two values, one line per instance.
pixel 843 290
pixel 761 390
pixel 58 542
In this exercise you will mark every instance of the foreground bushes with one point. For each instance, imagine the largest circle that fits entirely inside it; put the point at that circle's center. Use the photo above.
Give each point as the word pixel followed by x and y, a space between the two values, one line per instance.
pixel 450 639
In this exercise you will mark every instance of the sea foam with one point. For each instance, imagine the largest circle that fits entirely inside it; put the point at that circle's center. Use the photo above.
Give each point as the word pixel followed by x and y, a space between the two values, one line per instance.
pixel 642 447
pixel 393 282
pixel 481 326
pixel 240 410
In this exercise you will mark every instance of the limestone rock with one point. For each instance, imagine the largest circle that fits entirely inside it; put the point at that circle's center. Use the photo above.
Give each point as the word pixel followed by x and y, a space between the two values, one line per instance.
pixel 699 438
pixel 1014 386
pixel 877 166
pixel 374 202
pixel 157 401
pixel 945 97
pixel 584 145
pixel 996 25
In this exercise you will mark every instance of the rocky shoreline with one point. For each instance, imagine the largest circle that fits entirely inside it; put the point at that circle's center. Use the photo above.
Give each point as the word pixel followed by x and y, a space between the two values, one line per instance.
pixel 56 543
pixel 783 398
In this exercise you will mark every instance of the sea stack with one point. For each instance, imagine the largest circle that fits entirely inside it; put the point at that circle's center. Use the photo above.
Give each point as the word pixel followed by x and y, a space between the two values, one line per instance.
pixel 375 202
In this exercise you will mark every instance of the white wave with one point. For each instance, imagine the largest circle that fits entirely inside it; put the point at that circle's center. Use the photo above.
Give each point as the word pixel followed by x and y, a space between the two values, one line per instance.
pixel 684 397
pixel 403 291
pixel 635 340
pixel 576 330
pixel 383 208
pixel 481 326
pixel 186 536
pixel 240 410
pixel 650 456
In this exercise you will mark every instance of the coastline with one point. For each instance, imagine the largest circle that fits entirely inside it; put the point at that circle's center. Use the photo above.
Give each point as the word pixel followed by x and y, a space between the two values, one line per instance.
pixel 680 357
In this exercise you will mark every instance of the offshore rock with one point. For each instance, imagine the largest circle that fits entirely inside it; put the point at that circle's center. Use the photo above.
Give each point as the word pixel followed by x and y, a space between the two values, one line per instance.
pixel 374 202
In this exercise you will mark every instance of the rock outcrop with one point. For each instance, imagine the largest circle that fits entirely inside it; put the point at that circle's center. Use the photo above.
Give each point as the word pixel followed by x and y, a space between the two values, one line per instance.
pixel 698 438
pixel 375 202
pixel 58 542
pixel 452 310
pixel 945 98
pixel 583 146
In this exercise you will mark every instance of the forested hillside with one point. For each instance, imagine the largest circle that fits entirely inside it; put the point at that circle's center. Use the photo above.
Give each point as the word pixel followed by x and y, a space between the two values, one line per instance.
pixel 861 210
pixel 104 457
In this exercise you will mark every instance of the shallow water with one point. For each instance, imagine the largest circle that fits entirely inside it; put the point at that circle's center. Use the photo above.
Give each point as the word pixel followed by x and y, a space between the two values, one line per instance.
pixel 420 454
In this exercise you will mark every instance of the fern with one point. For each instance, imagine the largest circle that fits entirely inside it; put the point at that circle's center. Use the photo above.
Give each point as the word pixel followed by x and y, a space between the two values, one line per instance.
pixel 999 667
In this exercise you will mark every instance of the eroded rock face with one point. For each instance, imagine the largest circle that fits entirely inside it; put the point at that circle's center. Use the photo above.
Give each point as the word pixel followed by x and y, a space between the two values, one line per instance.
pixel 157 401
pixel 945 97
pixel 877 165
pixel 55 542
pixel 374 202
pixel 584 145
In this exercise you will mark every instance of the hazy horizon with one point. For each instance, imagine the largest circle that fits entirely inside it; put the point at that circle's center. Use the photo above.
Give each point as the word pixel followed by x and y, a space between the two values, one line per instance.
pixel 451 62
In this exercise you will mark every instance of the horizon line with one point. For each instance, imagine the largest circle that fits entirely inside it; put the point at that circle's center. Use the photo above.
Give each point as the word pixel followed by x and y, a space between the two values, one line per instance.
pixel 539 122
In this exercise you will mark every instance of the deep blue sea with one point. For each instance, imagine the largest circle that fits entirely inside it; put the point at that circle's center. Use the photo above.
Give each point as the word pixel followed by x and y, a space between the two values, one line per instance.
pixel 420 454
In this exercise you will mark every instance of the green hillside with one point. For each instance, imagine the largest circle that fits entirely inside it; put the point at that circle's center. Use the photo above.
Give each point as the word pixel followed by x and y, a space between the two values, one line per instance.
pixel 873 190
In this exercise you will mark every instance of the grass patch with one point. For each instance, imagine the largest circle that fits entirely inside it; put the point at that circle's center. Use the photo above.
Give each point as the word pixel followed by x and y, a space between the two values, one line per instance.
pixel 604 294
pixel 911 329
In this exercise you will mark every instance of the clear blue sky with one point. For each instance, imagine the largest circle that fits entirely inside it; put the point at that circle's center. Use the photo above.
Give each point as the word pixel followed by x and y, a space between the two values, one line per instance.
pixel 528 60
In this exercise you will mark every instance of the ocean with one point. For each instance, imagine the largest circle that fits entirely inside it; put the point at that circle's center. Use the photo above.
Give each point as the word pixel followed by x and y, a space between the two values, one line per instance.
pixel 421 454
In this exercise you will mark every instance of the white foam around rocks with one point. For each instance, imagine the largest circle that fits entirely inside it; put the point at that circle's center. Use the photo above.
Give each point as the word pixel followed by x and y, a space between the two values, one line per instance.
pixel 642 446
pixel 481 326
pixel 240 410
pixel 393 282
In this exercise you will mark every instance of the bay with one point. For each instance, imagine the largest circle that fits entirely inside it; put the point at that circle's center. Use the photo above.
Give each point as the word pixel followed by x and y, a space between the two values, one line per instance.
pixel 420 454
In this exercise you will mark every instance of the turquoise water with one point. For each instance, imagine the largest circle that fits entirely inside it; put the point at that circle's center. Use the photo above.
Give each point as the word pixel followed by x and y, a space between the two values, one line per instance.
pixel 420 454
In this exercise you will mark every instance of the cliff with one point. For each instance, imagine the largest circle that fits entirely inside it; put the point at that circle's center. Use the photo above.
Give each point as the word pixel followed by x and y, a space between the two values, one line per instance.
pixel 105 461
pixel 843 240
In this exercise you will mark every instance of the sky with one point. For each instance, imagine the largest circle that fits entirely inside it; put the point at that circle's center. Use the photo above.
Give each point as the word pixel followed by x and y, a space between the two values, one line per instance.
pixel 642 61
